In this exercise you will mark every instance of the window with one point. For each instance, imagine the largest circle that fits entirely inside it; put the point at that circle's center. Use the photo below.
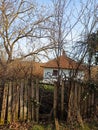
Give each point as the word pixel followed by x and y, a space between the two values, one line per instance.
pixel 55 72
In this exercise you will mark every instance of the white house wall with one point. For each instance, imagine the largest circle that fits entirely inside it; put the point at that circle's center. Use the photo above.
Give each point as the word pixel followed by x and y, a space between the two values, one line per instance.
pixel 49 71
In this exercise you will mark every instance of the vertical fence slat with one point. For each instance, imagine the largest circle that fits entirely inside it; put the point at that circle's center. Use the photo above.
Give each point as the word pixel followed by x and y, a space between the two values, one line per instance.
pixel 33 98
pixel 55 100
pixel 3 113
pixel 29 99
pixel 15 96
pixel 62 99
pixel 16 102
pixel 92 102
pixel 21 100
pixel 12 101
pixel 6 113
pixel 37 100
pixel 82 102
pixel 25 100
pixel 9 101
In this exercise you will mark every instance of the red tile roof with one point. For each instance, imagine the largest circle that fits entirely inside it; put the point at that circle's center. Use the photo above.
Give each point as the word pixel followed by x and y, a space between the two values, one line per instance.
pixel 63 62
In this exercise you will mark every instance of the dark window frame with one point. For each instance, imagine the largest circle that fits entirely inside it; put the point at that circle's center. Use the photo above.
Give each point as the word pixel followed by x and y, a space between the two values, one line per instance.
pixel 55 72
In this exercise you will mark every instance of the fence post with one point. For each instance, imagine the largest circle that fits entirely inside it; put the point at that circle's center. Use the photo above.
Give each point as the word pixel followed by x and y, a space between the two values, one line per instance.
pixel 9 101
pixel 57 124
pixel 4 103
pixel 55 100
pixel 29 99
pixel 95 103
pixel 12 102
pixel 62 99
pixel 33 98
pixel 37 99
pixel 21 107
pixel 1 97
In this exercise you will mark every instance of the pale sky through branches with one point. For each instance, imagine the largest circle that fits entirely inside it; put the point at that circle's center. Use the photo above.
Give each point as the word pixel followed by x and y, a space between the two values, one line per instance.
pixel 72 7
pixel 35 26
pixel 83 12
pixel 43 1
pixel 73 25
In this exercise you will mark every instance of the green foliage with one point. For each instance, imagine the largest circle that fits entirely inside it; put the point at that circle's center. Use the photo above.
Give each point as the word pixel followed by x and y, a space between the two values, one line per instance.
pixel 49 127
pixel 85 128
pixel 48 87
pixel 38 127
pixel 93 125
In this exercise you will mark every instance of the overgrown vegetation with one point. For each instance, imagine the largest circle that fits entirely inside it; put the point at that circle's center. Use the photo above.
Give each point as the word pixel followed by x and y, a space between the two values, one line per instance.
pixel 92 125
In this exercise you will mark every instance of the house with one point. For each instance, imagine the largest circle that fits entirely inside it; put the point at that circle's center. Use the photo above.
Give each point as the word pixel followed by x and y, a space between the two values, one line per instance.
pixel 64 66
pixel 48 72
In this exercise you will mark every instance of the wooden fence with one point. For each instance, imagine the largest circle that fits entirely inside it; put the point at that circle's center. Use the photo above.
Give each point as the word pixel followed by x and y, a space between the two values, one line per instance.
pixel 84 96
pixel 21 100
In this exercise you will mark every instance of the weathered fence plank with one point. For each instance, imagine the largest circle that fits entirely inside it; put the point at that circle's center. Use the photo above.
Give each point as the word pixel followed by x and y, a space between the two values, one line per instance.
pixel 3 112
pixel 62 99
pixel 21 100
pixel 17 102
pixel 37 100
pixel 55 101
pixel 32 101
pixel 9 101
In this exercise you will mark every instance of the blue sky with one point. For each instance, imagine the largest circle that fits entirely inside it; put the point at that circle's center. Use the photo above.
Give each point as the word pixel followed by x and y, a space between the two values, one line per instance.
pixel 43 1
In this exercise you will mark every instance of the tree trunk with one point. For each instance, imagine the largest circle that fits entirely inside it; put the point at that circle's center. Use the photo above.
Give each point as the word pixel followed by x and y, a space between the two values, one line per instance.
pixel 73 106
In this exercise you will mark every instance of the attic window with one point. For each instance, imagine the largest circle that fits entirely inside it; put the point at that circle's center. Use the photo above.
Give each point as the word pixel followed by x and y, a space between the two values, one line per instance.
pixel 55 72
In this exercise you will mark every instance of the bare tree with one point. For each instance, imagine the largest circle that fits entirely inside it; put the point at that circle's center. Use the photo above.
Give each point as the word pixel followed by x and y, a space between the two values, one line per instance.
pixel 20 20
pixel 19 27
pixel 60 28
pixel 57 37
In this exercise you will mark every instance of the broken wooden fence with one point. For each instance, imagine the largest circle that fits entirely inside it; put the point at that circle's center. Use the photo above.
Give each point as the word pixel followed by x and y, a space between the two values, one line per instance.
pixel 21 100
